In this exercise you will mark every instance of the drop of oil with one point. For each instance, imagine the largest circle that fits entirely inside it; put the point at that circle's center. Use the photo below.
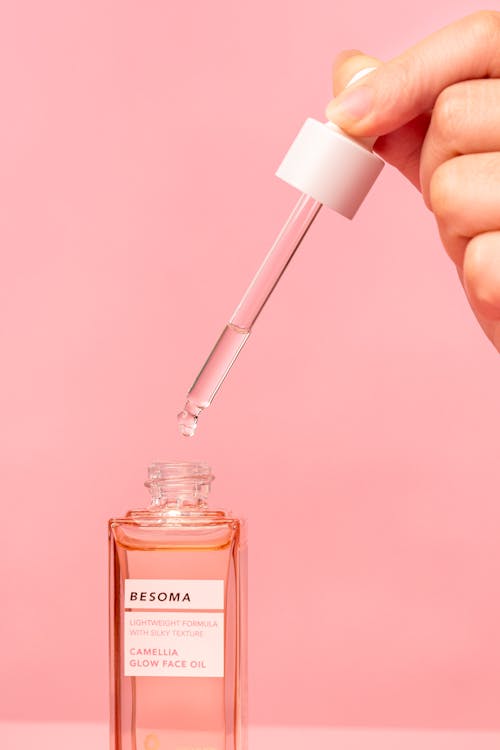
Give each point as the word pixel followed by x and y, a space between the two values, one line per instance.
pixel 187 419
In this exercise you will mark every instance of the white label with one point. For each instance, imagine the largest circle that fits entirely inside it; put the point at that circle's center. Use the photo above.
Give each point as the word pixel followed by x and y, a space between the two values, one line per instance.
pixel 146 593
pixel 165 642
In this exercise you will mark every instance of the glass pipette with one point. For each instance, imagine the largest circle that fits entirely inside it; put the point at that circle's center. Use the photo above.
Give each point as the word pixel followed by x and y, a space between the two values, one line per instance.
pixel 327 167
pixel 239 327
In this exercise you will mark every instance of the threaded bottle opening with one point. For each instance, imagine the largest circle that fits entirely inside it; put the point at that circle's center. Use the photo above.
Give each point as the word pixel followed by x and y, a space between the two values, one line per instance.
pixel 179 482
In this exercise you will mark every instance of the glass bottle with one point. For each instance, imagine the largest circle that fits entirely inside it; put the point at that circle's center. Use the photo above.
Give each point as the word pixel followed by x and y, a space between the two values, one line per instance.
pixel 178 619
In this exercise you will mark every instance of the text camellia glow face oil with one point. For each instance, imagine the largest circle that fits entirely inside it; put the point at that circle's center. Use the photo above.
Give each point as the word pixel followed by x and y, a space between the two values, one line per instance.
pixel 178 619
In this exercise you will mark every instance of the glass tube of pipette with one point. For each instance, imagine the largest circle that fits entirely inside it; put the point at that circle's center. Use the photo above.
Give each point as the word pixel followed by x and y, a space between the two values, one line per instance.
pixel 238 329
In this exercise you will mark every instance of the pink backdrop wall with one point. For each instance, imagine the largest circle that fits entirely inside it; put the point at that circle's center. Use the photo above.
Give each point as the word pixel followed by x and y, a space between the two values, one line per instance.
pixel 359 431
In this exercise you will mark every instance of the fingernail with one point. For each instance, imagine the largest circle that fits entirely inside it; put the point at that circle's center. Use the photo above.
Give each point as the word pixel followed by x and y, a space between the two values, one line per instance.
pixel 351 104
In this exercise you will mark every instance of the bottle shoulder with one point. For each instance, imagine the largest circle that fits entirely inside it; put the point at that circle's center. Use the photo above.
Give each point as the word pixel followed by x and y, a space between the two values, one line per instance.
pixel 161 528
pixel 172 517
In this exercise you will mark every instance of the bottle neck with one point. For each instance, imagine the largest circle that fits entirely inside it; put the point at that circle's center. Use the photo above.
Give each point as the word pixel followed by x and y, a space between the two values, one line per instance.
pixel 179 485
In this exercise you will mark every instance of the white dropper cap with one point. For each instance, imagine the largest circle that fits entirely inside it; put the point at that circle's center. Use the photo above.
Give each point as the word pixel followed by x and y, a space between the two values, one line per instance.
pixel 331 166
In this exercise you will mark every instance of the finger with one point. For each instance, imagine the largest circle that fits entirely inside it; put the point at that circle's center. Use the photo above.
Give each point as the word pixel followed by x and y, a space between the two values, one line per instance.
pixel 481 276
pixel 464 120
pixel 490 327
pixel 409 85
pixel 347 64
pixel 400 148
pixel 492 330
pixel 464 198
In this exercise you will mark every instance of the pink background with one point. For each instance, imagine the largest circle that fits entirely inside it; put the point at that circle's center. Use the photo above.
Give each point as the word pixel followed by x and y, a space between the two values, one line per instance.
pixel 358 432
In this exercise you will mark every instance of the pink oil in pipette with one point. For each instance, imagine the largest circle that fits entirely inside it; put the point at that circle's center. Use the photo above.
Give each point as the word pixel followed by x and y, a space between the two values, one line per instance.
pixel 211 377
pixel 238 329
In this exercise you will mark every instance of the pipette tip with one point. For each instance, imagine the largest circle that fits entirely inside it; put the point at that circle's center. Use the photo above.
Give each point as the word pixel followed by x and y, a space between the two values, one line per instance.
pixel 187 419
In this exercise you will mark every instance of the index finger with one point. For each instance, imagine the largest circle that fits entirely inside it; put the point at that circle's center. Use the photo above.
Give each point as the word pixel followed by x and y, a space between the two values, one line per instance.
pixel 408 85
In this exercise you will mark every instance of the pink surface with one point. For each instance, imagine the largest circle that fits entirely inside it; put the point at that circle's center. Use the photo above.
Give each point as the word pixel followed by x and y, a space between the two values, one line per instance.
pixel 359 431
pixel 83 736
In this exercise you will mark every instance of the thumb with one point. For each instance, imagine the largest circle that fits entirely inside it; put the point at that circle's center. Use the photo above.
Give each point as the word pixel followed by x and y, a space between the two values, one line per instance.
pixel 402 146
pixel 407 86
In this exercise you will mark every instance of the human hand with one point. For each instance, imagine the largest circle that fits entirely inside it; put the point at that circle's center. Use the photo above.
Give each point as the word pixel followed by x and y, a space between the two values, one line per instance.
pixel 436 110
